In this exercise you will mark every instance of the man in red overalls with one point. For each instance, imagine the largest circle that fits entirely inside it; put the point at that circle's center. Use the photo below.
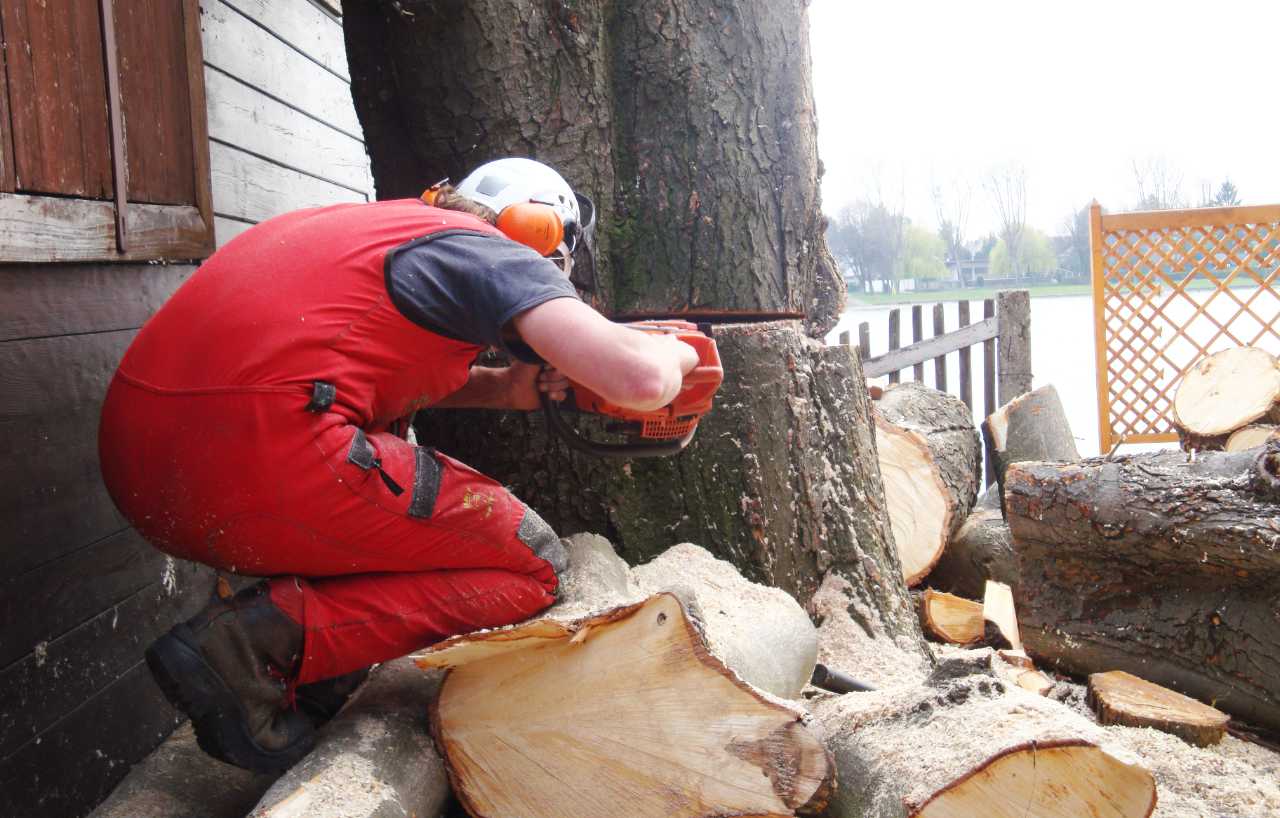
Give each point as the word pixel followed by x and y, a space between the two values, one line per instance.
pixel 253 426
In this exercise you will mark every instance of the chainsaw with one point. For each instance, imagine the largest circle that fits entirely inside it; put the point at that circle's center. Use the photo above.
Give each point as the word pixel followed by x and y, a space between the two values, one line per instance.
pixel 654 433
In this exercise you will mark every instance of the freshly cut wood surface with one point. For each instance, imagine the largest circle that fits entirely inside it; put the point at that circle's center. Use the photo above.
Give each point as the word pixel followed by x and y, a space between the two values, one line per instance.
pixel 1122 698
pixel 919 513
pixel 953 619
pixel 974 746
pixel 997 608
pixel 627 707
pixel 1225 391
pixel 1250 436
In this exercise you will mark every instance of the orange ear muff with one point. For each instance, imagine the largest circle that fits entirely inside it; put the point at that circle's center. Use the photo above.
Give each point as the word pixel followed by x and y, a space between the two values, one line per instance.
pixel 532 224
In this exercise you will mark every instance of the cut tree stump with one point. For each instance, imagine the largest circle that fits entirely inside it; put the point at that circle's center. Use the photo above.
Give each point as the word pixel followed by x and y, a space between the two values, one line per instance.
pixel 1224 392
pixel 1158 566
pixel 1121 698
pixel 1251 436
pixel 981 550
pixel 1032 426
pixel 974 746
pixel 630 705
pixel 931 461
pixel 951 619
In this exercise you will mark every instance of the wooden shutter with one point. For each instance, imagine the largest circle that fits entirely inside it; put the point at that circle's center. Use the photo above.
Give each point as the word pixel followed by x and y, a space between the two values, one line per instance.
pixel 95 107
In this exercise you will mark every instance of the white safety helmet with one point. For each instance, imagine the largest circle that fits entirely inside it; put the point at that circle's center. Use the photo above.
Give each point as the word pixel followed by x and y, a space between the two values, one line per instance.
pixel 535 205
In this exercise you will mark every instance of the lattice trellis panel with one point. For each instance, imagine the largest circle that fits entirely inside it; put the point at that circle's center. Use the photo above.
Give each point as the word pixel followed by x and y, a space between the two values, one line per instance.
pixel 1170 287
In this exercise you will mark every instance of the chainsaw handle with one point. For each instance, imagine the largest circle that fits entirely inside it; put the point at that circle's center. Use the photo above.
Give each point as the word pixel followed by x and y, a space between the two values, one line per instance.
pixel 570 435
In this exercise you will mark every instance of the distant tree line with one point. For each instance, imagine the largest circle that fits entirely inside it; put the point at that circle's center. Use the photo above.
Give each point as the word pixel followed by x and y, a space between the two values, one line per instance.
pixel 878 246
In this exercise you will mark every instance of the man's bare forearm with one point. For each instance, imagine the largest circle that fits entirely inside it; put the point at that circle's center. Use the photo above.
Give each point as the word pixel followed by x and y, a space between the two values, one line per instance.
pixel 487 388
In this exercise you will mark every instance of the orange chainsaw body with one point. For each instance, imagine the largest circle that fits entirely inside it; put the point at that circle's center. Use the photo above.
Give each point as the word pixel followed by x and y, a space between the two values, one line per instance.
pixel 678 419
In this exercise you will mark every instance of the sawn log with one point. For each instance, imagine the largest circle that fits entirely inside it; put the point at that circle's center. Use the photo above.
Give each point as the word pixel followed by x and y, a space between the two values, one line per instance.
pixel 1159 565
pixel 631 707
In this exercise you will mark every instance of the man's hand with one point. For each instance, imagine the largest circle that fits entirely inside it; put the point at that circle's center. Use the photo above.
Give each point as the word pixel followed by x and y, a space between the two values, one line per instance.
pixel 526 381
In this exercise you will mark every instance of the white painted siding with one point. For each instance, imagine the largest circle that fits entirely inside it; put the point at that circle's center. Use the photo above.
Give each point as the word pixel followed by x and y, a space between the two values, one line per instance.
pixel 282 127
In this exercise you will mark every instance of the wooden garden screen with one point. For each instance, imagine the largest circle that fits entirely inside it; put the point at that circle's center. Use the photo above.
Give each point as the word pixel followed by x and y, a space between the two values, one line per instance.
pixel 1170 287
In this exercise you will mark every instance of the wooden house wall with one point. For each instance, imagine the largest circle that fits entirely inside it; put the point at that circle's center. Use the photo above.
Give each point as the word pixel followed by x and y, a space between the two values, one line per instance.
pixel 283 131
pixel 81 594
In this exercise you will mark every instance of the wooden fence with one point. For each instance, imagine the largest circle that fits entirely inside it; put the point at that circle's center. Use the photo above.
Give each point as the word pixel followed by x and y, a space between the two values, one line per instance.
pixel 1171 287
pixel 1006 365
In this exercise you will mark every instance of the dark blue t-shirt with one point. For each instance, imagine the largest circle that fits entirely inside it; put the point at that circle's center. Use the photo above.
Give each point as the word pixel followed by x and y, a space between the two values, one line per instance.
pixel 467 286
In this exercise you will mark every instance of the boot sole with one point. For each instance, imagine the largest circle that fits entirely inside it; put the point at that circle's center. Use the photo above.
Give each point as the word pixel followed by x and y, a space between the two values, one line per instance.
pixel 194 687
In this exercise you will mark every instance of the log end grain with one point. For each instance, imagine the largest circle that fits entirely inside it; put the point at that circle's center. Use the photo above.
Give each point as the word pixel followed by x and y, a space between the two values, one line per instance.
pixel 1122 698
pixel 951 619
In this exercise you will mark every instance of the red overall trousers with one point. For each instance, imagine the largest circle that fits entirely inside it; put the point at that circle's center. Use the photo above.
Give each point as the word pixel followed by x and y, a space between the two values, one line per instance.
pixel 248 428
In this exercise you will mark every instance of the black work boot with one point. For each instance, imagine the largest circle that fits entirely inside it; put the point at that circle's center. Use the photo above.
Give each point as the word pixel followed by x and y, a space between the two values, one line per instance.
pixel 321 701
pixel 226 668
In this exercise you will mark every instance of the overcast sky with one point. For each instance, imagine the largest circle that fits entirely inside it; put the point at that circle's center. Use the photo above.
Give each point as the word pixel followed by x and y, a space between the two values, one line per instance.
pixel 911 91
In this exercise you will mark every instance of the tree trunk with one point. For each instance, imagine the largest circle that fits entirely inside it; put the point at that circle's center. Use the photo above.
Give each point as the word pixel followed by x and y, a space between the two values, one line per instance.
pixel 689 122
pixel 974 746
pixel 658 712
pixel 1161 567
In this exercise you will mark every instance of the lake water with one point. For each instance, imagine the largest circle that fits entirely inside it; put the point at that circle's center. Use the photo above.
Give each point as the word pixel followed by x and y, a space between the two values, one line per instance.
pixel 1062 347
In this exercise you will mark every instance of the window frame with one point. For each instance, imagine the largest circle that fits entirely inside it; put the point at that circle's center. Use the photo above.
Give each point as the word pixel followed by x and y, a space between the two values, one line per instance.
pixel 44 228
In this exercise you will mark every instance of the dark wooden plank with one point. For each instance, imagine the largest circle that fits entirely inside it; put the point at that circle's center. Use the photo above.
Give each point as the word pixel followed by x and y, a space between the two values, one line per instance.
pixel 39 689
pixel 57 97
pixel 79 760
pixel 917 335
pixel 895 319
pixel 196 104
pixel 47 602
pixel 940 362
pixel 51 391
pixel 966 361
pixel 44 300
pixel 897 359
pixel 151 37
pixel 989 380
pixel 54 501
pixel 864 340
pixel 52 375
pixel 115 116
pixel 6 136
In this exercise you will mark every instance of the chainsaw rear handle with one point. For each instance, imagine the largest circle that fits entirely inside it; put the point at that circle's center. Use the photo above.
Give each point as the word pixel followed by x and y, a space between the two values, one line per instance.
pixel 660 448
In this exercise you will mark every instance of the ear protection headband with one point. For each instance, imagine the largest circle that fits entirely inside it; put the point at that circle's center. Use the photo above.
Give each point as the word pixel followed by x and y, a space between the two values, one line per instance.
pixel 533 224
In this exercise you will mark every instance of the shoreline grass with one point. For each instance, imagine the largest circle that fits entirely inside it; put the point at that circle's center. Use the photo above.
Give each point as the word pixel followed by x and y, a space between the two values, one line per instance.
pixel 861 299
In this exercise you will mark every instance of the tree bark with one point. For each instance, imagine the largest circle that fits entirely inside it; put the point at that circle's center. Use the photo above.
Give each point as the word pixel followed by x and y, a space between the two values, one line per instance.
pixel 1032 426
pixel 1161 567
pixel 690 123
pixel 981 550
pixel 973 745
